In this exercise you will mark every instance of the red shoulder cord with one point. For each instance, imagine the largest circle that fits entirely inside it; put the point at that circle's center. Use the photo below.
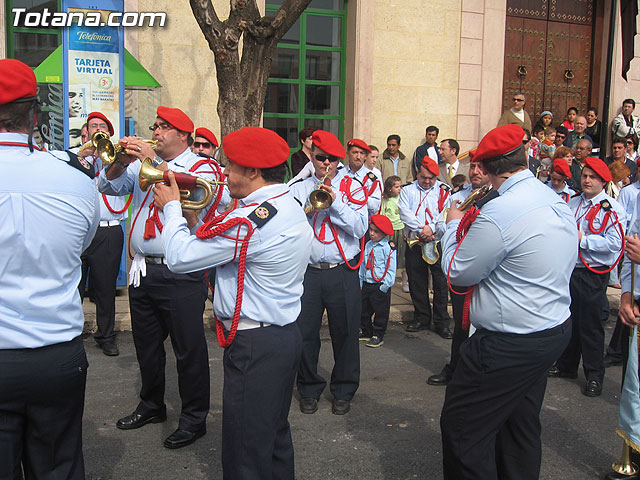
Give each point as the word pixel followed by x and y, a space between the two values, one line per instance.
pixel 345 188
pixel 376 184
pixel 463 229
pixel 321 238
pixel 590 216
pixel 20 144
pixel 444 194
pixel 371 264
pixel 215 228
pixel 106 202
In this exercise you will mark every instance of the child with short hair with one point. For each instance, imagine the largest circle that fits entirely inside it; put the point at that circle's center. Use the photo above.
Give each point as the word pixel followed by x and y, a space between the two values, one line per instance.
pixel 377 275
pixel 547 147
pixel 536 138
pixel 389 208
pixel 458 180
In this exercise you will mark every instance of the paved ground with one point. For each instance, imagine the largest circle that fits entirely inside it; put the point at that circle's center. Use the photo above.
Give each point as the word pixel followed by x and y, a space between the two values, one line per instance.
pixel 392 431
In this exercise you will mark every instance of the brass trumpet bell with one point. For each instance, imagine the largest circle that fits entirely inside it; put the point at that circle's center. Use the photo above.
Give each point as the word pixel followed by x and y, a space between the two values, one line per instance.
pixel 319 199
pixel 107 150
pixel 188 184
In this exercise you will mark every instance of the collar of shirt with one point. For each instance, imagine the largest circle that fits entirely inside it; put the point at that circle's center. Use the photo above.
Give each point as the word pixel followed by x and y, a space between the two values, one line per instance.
pixel 182 159
pixel 15 138
pixel 454 165
pixel 263 193
pixel 382 243
pixel 597 199
pixel 362 171
pixel 513 179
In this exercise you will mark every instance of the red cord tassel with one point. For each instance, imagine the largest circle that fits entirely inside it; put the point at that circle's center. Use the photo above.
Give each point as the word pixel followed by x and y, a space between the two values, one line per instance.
pixel 149 229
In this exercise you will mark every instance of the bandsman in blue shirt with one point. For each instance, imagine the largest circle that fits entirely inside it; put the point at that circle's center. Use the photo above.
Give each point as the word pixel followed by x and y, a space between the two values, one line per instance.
pixel 104 254
pixel 357 151
pixel 164 303
pixel 331 282
pixel 558 176
pixel 420 203
pixel 49 210
pixel 517 254
pixel 264 246
pixel 600 222
pixel 377 276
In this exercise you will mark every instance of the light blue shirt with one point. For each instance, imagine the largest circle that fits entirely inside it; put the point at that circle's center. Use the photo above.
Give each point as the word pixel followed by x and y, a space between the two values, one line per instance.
pixel 625 273
pixel 419 207
pixel 373 201
pixel 628 200
pixel 128 183
pixel 49 216
pixel 277 257
pixel 381 253
pixel 115 202
pixel 519 252
pixel 349 220
pixel 598 249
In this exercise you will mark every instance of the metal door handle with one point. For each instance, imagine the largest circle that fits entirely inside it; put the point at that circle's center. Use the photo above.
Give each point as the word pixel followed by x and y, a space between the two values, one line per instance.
pixel 568 75
pixel 522 71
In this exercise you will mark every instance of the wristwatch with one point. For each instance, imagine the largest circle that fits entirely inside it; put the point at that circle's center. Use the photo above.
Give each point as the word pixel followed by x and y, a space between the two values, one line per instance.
pixel 157 161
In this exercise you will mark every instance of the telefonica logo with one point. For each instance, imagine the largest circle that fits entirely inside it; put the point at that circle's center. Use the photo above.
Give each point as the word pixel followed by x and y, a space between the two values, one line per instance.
pixel 22 18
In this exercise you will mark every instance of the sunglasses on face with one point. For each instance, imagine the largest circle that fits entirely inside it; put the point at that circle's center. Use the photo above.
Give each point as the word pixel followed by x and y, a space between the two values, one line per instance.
pixel 518 99
pixel 202 144
pixel 524 142
pixel 162 126
pixel 629 143
pixel 559 135
pixel 323 158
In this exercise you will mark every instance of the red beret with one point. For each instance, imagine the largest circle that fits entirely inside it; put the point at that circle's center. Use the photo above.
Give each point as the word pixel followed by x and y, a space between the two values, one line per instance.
pixel 17 81
pixel 208 134
pixel 255 147
pixel 472 155
pixel 561 166
pixel 431 165
pixel 176 117
pixel 383 223
pixel 499 141
pixel 329 143
pixel 101 117
pixel 598 166
pixel 356 142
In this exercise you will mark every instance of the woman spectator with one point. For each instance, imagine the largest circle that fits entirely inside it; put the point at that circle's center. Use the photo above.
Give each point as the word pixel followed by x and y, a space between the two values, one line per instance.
pixel 594 129
pixel 302 156
pixel 631 143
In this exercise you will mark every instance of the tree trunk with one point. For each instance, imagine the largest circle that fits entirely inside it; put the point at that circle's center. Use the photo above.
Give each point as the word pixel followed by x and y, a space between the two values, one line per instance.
pixel 242 81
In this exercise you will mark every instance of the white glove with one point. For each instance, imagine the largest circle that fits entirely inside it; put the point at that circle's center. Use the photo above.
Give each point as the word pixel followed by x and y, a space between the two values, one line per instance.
pixel 138 267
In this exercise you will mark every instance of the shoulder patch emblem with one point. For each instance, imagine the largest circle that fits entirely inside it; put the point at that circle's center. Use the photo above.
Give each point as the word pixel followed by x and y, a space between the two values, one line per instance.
pixel 444 186
pixel 372 176
pixel 80 164
pixel 262 214
pixel 605 205
pixel 392 245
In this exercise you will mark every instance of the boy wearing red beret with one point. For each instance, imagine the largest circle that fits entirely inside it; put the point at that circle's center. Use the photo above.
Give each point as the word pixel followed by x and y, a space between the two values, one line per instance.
pixel 377 275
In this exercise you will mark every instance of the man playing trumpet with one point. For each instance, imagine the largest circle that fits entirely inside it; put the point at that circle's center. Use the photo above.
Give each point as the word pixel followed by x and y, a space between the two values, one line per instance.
pixel 163 303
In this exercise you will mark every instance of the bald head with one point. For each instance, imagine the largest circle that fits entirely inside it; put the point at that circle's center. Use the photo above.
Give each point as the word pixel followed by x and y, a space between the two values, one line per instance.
pixel 583 150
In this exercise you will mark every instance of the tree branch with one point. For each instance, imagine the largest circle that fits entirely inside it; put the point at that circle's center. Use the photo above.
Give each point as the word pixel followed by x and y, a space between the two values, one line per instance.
pixel 208 20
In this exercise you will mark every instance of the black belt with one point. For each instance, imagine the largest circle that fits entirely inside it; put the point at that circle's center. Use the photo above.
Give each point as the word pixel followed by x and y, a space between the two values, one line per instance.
pixel 550 332
pixel 155 260
pixel 376 283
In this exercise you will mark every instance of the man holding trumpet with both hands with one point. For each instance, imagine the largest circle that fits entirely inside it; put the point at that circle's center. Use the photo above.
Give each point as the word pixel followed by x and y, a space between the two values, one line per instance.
pixel 162 302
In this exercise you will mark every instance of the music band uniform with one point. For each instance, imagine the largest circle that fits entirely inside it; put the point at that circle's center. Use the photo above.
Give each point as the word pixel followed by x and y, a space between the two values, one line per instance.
pixel 490 419
pixel 329 284
pixel 588 288
pixel 49 214
pixel 419 207
pixel 164 303
pixel 101 260
pixel 377 275
pixel 261 363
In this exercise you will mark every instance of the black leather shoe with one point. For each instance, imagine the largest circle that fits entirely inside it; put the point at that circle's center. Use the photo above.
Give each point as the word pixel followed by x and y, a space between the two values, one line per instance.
pixel 445 333
pixel 308 405
pixel 416 327
pixel 182 438
pixel 340 407
pixel 441 379
pixel 555 372
pixel 592 388
pixel 136 420
pixel 110 349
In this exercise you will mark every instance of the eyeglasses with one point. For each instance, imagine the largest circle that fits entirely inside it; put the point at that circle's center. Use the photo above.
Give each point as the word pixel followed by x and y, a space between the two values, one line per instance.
pixel 518 99
pixel 629 142
pixel 162 126
pixel 202 144
pixel 524 142
pixel 323 158
pixel 101 126
pixel 559 135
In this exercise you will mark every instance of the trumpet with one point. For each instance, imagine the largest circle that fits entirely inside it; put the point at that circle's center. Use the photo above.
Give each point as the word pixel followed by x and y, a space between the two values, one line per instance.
pixel 319 199
pixel 105 149
pixel 473 197
pixel 188 184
